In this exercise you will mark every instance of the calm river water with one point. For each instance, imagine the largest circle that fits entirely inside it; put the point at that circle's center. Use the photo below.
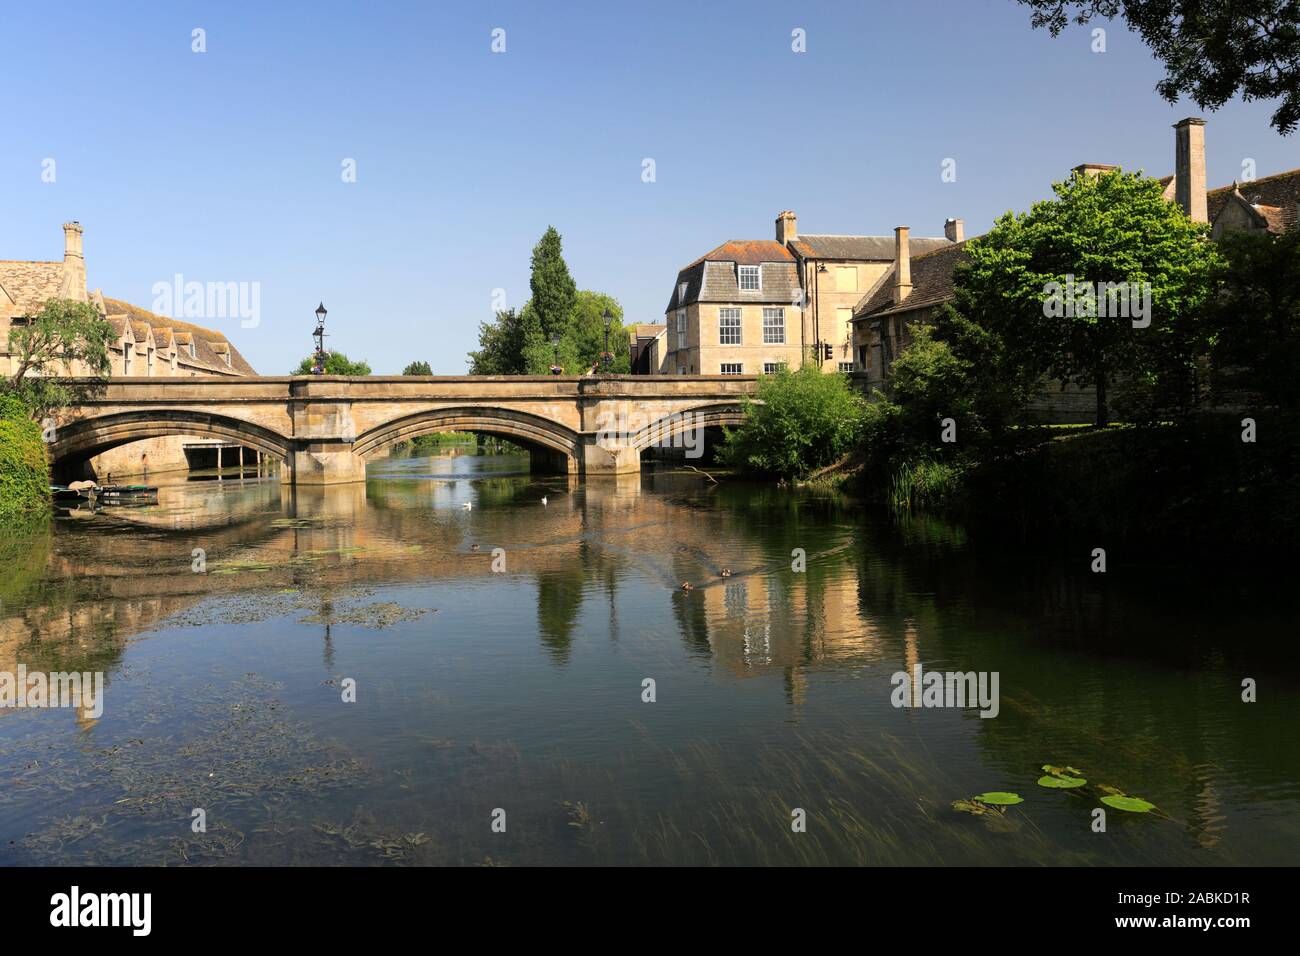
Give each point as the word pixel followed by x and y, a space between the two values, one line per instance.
pixel 232 620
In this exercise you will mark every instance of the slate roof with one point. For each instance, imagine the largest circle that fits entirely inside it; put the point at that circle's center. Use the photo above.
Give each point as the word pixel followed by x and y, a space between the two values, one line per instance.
pixel 712 277
pixel 1275 198
pixel 1277 195
pixel 879 248
pixel 206 357
pixel 931 284
pixel 31 284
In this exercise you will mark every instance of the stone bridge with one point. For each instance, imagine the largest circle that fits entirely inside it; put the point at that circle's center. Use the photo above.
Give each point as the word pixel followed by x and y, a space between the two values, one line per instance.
pixel 325 428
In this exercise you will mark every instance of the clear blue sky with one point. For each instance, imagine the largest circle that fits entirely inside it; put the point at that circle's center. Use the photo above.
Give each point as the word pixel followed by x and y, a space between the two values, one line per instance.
pixel 225 166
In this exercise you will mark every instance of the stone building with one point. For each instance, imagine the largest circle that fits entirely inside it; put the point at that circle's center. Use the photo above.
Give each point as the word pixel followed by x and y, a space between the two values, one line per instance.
pixel 648 348
pixel 145 345
pixel 913 286
pixel 751 306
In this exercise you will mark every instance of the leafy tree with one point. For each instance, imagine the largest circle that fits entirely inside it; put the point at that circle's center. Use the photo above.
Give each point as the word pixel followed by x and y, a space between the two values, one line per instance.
pixel 1211 49
pixel 801 421
pixel 504 341
pixel 520 342
pixel 336 363
pixel 1254 321
pixel 62 333
pixel 930 382
pixel 1036 283
pixel 585 337
pixel 417 368
pixel 553 290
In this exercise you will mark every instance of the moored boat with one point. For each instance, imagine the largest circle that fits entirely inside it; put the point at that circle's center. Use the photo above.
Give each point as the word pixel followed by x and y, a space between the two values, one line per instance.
pixel 127 494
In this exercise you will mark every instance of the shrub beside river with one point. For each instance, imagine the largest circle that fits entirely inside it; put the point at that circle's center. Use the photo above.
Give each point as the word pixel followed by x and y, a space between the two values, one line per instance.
pixel 24 466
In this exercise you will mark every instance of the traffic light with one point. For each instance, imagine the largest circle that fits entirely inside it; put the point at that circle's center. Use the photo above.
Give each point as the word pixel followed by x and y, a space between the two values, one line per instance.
pixel 827 351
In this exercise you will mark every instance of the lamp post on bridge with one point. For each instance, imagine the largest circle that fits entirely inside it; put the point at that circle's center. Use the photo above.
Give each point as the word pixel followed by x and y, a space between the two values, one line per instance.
pixel 555 367
pixel 319 367
pixel 607 357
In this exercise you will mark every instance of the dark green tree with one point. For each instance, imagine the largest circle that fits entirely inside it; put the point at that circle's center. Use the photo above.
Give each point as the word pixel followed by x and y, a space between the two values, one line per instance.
pixel 802 421
pixel 1211 49
pixel 504 342
pixel 1063 291
pixel 336 363
pixel 553 290
pixel 1254 320
pixel 417 368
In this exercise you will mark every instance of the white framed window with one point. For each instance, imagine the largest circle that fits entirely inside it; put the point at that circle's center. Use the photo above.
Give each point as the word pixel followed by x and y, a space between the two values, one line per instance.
pixel 681 328
pixel 728 326
pixel 846 366
pixel 774 326
pixel 750 278
pixel 681 293
pixel 771 368
pixel 732 368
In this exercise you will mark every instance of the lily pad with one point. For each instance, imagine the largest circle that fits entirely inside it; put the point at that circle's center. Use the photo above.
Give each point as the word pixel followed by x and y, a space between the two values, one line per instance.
pixel 1062 782
pixel 1131 804
pixel 998 798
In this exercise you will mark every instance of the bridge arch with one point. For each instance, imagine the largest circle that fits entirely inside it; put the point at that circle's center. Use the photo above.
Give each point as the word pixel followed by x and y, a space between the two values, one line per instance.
pixel 531 431
pixel 84 438
pixel 669 426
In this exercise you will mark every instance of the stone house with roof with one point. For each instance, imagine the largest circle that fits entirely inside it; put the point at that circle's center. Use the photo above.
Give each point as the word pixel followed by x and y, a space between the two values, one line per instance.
pixel 146 345
pixel 914 286
pixel 751 306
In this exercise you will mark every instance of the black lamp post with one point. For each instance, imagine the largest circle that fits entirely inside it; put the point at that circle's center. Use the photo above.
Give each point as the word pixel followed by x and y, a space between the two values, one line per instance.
pixel 555 343
pixel 319 335
pixel 607 359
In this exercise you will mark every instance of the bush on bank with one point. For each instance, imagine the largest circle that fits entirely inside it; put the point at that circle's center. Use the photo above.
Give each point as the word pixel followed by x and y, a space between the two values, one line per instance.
pixel 800 422
pixel 24 465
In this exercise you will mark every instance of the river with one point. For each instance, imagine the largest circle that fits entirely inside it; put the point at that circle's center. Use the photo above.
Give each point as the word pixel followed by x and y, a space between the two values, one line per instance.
pixel 375 674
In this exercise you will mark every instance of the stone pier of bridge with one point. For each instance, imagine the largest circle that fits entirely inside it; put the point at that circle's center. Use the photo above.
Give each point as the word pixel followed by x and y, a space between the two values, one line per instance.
pixel 326 428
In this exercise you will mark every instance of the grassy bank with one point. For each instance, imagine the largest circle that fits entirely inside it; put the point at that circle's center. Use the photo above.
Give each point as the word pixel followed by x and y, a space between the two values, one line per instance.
pixel 1194 485
pixel 24 465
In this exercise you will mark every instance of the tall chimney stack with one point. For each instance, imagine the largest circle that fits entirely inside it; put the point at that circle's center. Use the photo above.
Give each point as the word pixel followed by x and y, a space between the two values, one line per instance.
pixel 902 264
pixel 954 230
pixel 787 228
pixel 73 285
pixel 1189 168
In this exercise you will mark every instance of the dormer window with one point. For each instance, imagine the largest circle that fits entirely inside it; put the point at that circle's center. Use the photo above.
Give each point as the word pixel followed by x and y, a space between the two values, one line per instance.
pixel 749 278
pixel 192 353
pixel 681 292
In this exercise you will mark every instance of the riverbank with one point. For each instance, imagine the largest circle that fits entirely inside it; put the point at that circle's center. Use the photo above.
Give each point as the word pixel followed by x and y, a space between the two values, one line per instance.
pixel 24 465
pixel 1205 484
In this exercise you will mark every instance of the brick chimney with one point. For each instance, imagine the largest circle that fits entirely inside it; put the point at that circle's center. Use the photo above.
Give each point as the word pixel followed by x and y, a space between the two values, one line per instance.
pixel 954 230
pixel 902 264
pixel 73 285
pixel 787 228
pixel 1189 168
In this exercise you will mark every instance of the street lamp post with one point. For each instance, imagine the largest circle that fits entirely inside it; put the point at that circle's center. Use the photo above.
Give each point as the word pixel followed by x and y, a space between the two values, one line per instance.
pixel 607 358
pixel 319 367
pixel 555 343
